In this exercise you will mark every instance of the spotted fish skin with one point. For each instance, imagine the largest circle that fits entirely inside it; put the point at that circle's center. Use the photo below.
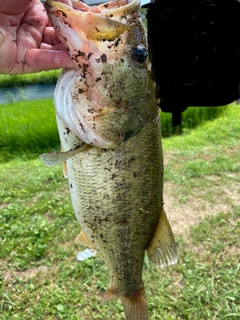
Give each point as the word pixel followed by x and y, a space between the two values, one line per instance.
pixel 117 198
pixel 108 123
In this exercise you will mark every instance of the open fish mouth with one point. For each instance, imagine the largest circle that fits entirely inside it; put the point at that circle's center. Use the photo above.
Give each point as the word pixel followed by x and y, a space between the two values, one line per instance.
pixel 80 23
pixel 104 102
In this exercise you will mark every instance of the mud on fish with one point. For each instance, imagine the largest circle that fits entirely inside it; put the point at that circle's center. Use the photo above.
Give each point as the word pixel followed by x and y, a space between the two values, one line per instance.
pixel 108 123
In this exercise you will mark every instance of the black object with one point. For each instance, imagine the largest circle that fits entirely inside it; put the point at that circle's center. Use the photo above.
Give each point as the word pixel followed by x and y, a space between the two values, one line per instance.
pixel 194 48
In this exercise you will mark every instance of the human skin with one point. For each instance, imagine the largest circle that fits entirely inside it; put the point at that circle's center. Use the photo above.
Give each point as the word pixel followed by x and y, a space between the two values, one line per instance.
pixel 28 43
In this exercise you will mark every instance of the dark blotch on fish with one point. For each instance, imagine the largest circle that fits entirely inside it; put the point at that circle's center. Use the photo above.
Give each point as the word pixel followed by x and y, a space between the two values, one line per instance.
pixel 89 55
pixel 81 53
pixel 116 43
pixel 104 57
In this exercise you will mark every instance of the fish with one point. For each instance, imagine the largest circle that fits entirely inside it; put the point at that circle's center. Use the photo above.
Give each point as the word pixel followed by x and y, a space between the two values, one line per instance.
pixel 109 127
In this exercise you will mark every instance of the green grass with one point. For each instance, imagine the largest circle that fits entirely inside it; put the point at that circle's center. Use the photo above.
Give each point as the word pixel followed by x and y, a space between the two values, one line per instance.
pixel 7 81
pixel 27 128
pixel 190 119
pixel 41 279
pixel 212 148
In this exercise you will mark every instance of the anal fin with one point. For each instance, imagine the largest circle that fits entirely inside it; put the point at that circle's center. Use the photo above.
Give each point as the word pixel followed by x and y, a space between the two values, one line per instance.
pixel 82 240
pixel 163 250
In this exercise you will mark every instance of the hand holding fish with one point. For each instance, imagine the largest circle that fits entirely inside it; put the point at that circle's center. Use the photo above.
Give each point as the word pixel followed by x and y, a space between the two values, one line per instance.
pixel 27 41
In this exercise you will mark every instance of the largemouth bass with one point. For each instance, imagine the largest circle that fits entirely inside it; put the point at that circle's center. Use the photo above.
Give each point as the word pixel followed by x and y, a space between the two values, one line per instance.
pixel 108 123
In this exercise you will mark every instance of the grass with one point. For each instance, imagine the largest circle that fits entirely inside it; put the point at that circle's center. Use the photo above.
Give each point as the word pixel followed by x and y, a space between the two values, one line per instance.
pixel 212 148
pixel 7 81
pixel 190 119
pixel 27 128
pixel 40 277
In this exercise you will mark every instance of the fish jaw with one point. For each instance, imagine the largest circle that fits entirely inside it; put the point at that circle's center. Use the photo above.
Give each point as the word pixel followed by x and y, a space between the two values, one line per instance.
pixel 101 103
pixel 104 22
pixel 80 27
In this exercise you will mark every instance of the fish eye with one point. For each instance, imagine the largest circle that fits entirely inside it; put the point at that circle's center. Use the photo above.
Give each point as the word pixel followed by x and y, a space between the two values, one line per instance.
pixel 139 54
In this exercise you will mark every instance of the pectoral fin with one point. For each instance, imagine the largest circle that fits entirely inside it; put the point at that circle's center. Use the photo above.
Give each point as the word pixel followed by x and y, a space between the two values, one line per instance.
pixel 162 250
pixel 54 158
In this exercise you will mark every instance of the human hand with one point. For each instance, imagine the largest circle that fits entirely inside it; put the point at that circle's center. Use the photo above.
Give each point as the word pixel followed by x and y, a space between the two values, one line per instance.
pixel 27 41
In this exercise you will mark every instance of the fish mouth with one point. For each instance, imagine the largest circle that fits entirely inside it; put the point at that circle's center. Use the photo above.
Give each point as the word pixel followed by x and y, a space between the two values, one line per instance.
pixel 79 23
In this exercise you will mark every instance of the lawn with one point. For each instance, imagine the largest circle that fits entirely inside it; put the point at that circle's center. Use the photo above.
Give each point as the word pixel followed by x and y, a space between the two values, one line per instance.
pixel 41 278
pixel 7 81
pixel 27 128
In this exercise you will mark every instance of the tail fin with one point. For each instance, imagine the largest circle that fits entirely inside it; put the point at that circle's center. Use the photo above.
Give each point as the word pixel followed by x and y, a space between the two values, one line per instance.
pixel 134 304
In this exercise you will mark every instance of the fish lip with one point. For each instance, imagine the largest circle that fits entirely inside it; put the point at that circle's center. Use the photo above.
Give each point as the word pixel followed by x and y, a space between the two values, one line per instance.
pixel 110 10
pixel 106 22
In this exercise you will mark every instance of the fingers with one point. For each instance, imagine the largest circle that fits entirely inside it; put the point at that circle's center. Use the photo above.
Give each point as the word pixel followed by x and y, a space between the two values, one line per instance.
pixel 8 55
pixel 15 6
pixel 38 59
pixel 50 37
pixel 58 47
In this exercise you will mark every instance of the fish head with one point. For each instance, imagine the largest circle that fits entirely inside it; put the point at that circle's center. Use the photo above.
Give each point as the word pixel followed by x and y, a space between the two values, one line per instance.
pixel 110 96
